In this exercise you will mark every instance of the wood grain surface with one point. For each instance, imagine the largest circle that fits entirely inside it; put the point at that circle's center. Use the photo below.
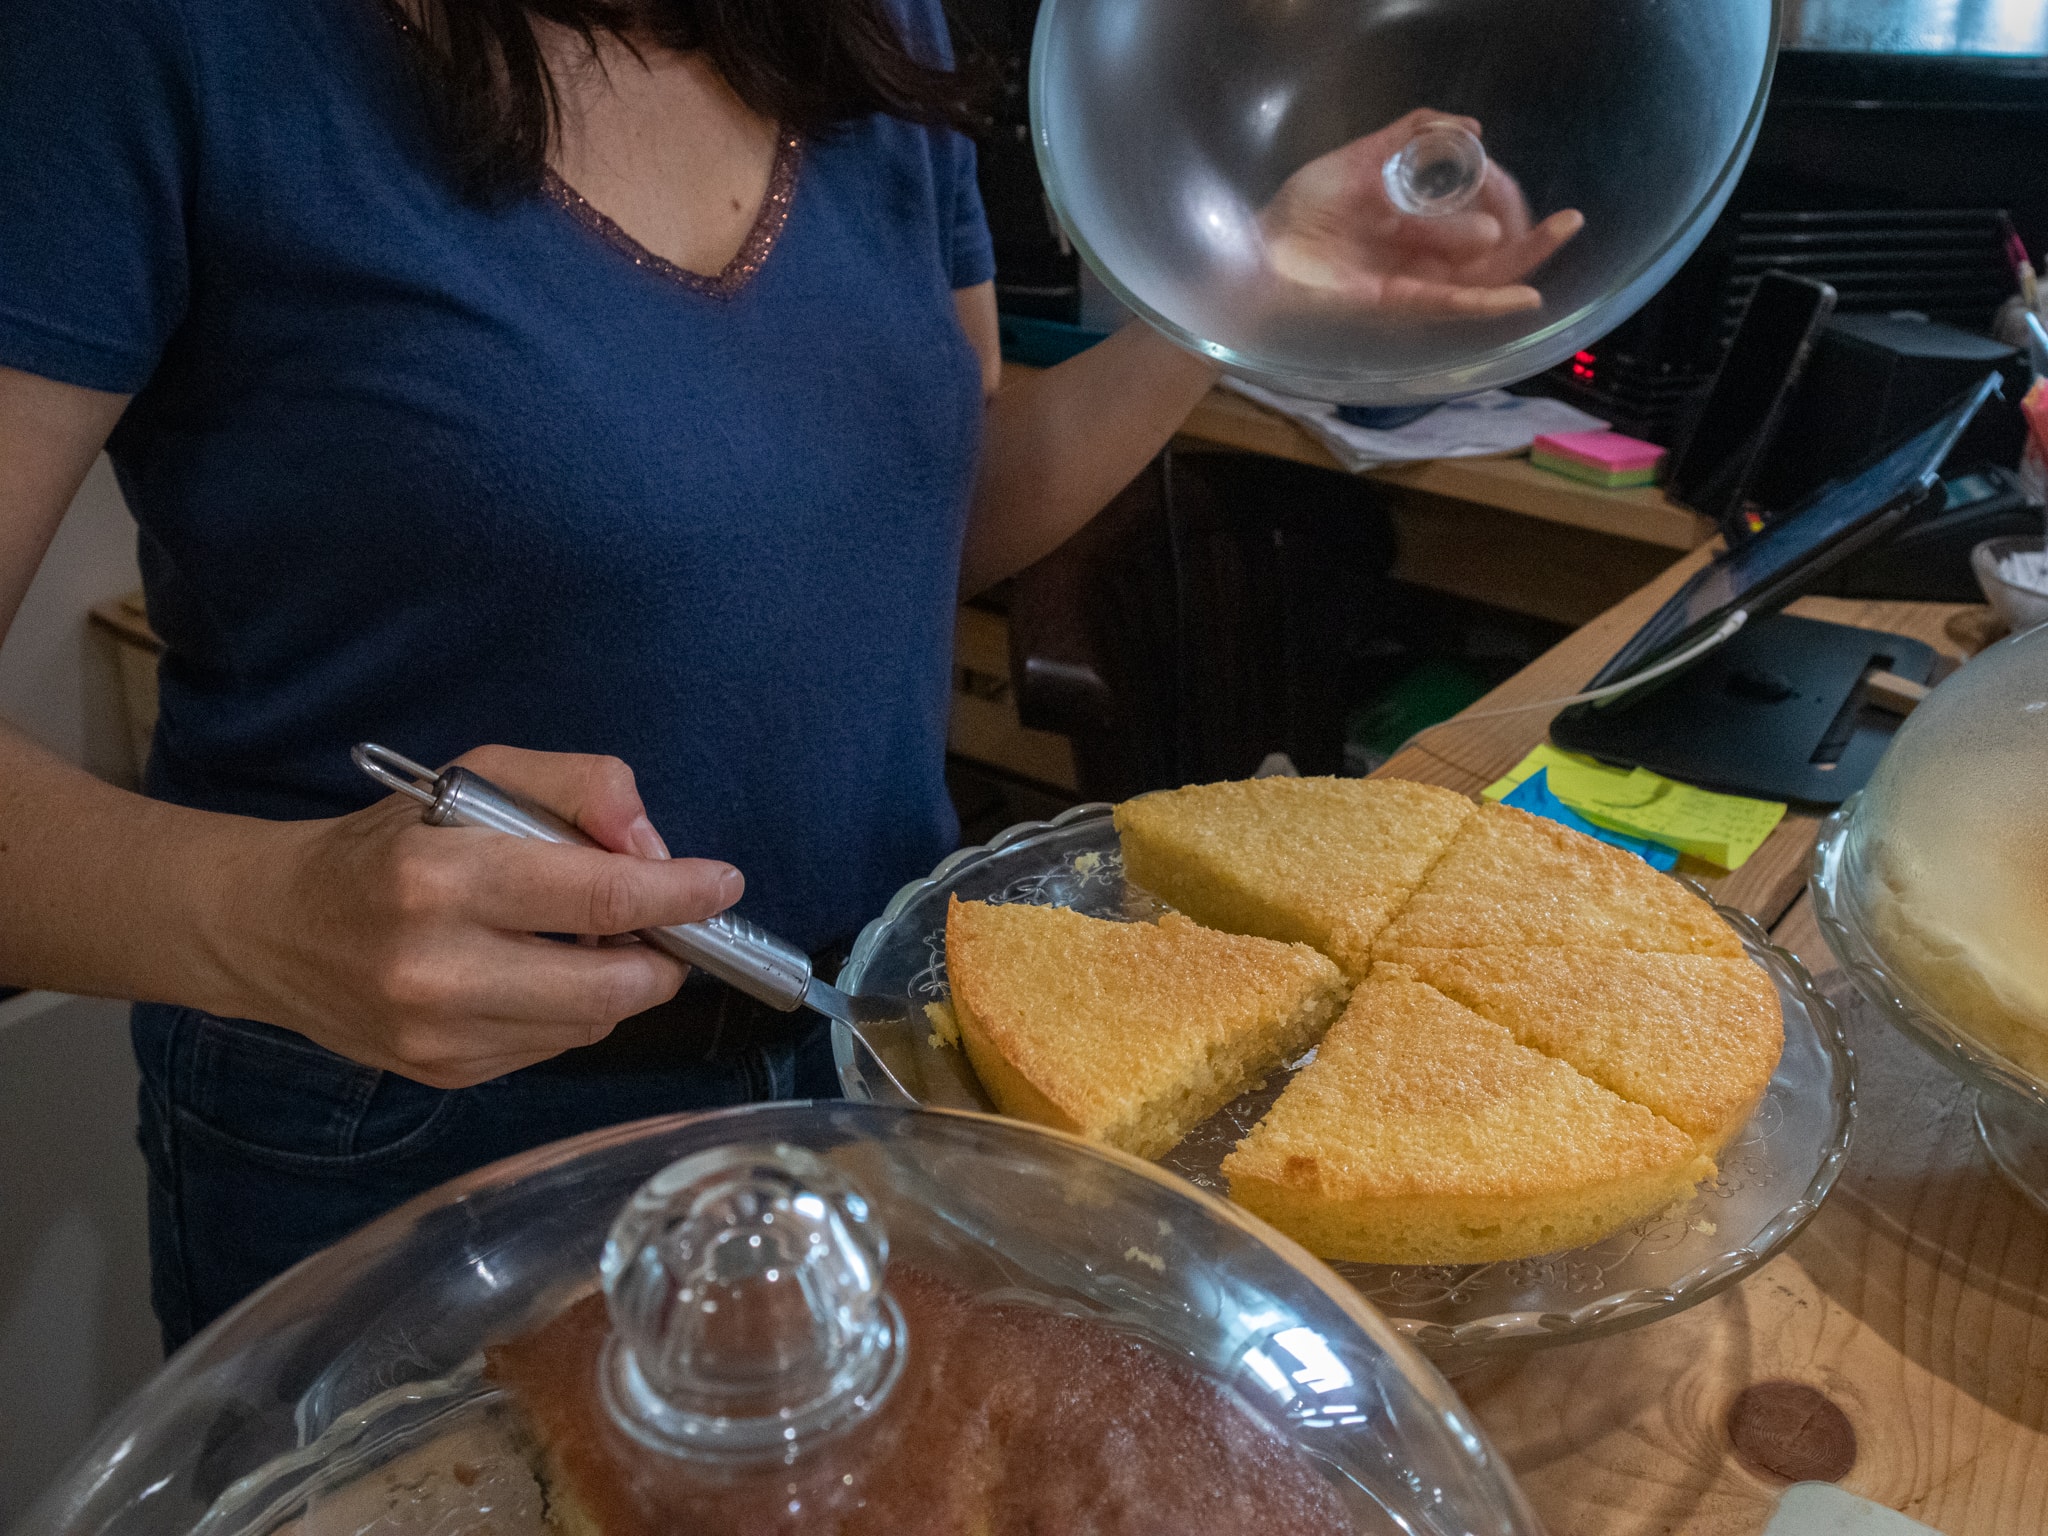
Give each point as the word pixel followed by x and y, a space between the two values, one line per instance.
pixel 1916 1304
pixel 1555 571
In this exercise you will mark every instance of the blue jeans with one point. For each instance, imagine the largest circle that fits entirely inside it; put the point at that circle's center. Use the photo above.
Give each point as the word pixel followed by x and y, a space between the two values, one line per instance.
pixel 264 1148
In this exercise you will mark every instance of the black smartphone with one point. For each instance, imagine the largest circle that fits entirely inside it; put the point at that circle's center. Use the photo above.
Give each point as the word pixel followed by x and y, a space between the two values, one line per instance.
pixel 1712 474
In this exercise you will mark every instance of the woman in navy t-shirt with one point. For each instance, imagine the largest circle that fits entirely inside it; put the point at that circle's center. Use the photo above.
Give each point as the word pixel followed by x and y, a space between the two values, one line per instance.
pixel 620 387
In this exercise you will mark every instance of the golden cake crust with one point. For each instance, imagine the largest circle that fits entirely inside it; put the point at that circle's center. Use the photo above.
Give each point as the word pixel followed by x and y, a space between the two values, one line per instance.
pixel 1693 1037
pixel 1510 878
pixel 1423 1133
pixel 1130 1033
pixel 1320 861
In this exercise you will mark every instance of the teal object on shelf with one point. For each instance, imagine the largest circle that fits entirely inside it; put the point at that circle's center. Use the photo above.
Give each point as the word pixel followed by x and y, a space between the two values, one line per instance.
pixel 1042 343
pixel 1431 692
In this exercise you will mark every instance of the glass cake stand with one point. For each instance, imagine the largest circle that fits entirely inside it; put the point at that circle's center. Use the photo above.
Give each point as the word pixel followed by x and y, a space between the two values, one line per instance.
pixel 1773 1176
pixel 2011 1108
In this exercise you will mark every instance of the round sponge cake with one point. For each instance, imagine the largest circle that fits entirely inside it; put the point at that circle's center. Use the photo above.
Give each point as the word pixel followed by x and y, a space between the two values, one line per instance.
pixel 1551 1039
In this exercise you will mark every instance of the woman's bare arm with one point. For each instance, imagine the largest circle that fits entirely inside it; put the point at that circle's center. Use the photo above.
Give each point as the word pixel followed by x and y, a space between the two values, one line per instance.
pixel 402 946
pixel 1059 444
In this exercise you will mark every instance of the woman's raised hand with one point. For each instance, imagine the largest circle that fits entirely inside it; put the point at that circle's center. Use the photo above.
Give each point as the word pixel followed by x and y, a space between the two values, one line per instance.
pixel 1334 236
pixel 416 949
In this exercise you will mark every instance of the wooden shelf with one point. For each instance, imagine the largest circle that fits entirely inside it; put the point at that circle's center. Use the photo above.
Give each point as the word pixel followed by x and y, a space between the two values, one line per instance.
pixel 984 726
pixel 123 624
pixel 1228 420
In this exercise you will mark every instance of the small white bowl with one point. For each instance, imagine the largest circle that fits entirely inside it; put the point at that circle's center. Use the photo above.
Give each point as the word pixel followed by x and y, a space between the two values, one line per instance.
pixel 2020 607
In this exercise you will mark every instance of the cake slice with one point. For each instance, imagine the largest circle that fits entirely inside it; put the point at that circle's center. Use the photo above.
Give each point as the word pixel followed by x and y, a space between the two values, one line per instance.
pixel 1424 1134
pixel 1693 1037
pixel 1129 1033
pixel 1510 878
pixel 1325 862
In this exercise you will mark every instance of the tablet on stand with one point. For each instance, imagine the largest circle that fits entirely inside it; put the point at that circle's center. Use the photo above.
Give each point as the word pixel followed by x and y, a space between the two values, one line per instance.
pixel 1776 709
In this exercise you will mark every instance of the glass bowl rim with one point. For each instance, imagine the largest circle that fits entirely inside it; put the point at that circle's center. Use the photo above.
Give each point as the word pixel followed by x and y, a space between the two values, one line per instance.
pixel 1495 370
pixel 1985 555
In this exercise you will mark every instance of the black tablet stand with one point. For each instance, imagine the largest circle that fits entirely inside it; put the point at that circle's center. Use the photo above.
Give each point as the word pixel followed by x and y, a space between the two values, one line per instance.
pixel 1777 713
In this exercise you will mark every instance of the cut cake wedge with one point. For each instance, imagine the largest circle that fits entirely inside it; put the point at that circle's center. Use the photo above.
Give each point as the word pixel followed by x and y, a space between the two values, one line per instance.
pixel 1326 862
pixel 1693 1037
pixel 1424 1134
pixel 1510 878
pixel 1129 1033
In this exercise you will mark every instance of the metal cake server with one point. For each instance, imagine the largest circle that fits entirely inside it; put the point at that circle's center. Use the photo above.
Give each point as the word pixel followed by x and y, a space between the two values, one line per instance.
pixel 737 952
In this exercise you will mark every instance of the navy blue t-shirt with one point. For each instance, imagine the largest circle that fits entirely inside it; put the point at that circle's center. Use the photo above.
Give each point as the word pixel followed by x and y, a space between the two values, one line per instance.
pixel 419 472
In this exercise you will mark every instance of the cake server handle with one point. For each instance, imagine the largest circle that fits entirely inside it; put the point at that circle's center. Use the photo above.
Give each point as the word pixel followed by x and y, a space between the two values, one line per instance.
pixel 766 967
pixel 737 952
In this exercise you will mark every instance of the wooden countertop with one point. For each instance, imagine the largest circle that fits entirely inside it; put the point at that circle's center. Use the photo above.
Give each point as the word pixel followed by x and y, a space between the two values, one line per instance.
pixel 1470 758
pixel 1916 1303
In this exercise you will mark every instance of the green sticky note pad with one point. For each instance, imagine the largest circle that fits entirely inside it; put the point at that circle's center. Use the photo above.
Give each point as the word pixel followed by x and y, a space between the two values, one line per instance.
pixel 1822 1509
pixel 1722 830
pixel 1608 479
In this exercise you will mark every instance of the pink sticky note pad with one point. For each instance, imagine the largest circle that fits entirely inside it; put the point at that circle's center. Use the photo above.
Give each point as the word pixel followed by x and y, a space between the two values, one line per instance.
pixel 1609 451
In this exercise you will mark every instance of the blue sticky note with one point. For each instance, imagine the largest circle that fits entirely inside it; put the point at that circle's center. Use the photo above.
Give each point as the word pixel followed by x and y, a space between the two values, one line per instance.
pixel 1533 795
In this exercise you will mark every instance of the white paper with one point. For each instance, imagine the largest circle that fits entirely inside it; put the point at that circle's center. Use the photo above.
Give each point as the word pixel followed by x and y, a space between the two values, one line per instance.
pixel 1822 1509
pixel 2027 570
pixel 1477 426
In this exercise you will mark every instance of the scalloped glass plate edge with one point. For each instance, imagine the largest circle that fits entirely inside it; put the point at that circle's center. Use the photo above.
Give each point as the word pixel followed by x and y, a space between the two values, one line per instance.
pixel 1622 1310
pixel 1884 991
pixel 870 937
pixel 2011 1111
pixel 1604 1315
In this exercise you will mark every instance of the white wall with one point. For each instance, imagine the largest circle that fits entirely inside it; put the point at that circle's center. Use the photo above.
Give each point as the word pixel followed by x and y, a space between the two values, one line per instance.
pixel 57 679
pixel 76 1332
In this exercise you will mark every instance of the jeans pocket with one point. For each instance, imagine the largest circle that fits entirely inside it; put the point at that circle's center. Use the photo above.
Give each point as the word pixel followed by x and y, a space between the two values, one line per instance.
pixel 276 1096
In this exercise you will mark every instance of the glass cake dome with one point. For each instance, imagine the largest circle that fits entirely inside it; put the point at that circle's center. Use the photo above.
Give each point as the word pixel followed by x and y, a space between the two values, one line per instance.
pixel 827 1318
pixel 1932 889
pixel 1386 201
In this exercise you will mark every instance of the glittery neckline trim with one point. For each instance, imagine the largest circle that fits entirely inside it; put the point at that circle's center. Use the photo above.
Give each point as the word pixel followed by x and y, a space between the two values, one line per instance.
pixel 753 251
pixel 748 260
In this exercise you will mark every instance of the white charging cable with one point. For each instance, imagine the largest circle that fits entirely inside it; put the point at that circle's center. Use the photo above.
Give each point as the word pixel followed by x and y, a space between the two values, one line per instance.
pixel 1686 657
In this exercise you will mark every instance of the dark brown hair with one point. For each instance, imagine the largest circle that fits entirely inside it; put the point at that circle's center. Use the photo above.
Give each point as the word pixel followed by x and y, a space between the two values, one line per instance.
pixel 809 65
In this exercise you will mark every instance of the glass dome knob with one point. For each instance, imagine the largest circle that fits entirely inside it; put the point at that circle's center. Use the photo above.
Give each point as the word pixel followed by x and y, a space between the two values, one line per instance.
pixel 1438 171
pixel 748 1312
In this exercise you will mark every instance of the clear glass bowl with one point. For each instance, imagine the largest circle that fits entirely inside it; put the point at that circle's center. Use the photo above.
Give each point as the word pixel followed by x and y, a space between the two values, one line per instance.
pixel 1164 129
pixel 1773 1177
pixel 2021 607
pixel 352 1373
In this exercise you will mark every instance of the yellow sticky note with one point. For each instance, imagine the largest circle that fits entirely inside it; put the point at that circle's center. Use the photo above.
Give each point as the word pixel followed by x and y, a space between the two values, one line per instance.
pixel 1698 822
pixel 1723 830
pixel 1593 779
pixel 1581 778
